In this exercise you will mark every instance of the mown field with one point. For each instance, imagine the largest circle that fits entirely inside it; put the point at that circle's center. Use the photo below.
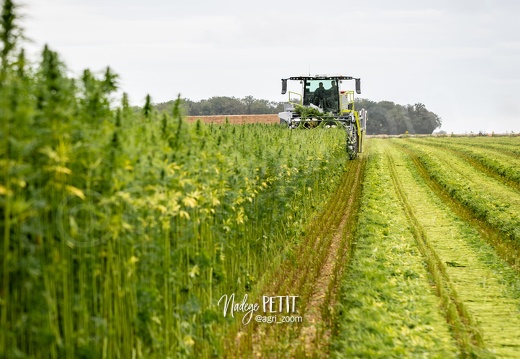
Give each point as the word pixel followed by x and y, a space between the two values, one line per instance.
pixel 436 250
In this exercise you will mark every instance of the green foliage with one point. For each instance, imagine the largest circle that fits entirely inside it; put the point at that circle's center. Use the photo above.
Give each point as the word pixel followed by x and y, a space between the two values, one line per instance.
pixel 386 117
pixel 147 108
pixel 500 159
pixel 308 112
pixel 121 229
pixel 222 105
pixel 9 31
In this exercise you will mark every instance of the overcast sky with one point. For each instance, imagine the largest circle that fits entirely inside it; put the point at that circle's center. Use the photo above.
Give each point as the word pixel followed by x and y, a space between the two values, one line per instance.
pixel 460 58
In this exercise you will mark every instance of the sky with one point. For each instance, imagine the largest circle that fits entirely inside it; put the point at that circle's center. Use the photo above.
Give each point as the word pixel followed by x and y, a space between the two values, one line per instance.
pixel 459 58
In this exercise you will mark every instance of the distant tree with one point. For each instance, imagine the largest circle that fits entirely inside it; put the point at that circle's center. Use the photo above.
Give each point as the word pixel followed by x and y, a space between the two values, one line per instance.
pixel 424 121
pixel 248 101
pixel 222 105
pixel 264 107
pixel 386 117
pixel 168 105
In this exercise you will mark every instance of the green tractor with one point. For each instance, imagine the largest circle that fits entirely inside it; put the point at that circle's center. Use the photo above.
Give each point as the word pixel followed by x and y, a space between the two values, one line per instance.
pixel 320 102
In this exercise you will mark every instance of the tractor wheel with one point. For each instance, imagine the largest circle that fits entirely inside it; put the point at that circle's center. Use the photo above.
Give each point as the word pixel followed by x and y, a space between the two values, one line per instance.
pixel 352 142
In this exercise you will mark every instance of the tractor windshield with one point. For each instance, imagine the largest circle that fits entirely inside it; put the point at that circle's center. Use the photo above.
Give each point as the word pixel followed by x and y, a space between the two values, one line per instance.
pixel 322 93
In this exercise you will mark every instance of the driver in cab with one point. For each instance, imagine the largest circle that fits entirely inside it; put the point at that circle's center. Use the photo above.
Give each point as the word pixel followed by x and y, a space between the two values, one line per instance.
pixel 319 94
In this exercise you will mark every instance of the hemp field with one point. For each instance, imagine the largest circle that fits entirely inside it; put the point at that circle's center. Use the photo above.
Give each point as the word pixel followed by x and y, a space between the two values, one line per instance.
pixel 123 244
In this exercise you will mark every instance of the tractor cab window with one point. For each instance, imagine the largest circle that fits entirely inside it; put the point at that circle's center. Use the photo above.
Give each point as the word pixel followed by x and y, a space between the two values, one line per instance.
pixel 322 93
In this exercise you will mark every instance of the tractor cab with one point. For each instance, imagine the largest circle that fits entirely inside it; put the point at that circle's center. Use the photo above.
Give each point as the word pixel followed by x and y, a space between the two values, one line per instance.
pixel 324 92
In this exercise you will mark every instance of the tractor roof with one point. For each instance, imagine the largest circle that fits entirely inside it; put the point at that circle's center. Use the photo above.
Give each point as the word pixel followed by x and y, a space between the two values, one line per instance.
pixel 322 77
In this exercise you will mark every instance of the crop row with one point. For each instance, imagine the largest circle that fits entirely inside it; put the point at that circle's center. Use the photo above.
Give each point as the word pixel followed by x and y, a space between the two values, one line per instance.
pixel 387 306
pixel 484 141
pixel 503 160
pixel 490 200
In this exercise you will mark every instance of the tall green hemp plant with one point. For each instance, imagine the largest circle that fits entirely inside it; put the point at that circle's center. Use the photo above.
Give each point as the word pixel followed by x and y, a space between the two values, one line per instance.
pixel 9 35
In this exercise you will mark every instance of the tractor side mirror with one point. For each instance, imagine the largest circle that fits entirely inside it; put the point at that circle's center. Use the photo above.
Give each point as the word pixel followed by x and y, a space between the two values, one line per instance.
pixel 358 86
pixel 284 86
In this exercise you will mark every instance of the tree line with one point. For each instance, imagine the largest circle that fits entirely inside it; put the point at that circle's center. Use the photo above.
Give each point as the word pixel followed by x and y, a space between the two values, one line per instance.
pixel 385 117
pixel 224 105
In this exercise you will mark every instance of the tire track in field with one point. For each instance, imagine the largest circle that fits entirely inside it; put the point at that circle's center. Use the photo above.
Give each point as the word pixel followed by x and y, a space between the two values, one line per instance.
pixel 313 275
pixel 326 286
pixel 485 304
